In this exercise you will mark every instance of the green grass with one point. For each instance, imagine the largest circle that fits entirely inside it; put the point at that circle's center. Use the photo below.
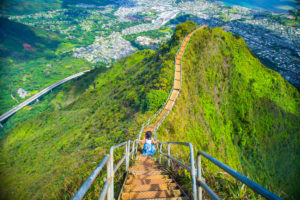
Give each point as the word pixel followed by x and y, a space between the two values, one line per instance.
pixel 231 106
pixel 50 155
pixel 238 111
pixel 34 69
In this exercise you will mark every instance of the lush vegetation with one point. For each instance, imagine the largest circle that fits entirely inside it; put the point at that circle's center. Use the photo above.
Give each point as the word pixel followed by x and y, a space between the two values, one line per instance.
pixel 31 59
pixel 50 155
pixel 292 20
pixel 17 7
pixel 238 111
pixel 230 106
pixel 161 34
pixel 21 7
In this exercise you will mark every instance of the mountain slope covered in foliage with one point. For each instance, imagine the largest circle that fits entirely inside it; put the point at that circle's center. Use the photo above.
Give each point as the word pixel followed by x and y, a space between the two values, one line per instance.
pixel 238 111
pixel 230 106
pixel 30 59
pixel 50 155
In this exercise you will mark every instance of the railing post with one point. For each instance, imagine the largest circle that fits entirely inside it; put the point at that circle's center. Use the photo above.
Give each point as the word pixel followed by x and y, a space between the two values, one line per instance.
pixel 127 149
pixel 199 176
pixel 132 151
pixel 110 175
pixel 160 153
pixel 193 177
pixel 169 153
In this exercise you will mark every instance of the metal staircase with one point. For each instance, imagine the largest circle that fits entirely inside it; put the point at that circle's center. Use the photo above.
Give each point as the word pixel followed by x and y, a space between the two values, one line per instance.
pixel 148 178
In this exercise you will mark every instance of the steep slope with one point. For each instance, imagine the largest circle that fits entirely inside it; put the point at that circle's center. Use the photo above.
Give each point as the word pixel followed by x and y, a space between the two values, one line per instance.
pixel 29 60
pixel 240 112
pixel 22 43
pixel 230 106
pixel 50 155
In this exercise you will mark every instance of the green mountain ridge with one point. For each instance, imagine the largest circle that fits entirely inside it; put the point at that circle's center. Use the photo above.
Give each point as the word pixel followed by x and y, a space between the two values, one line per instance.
pixel 30 59
pixel 230 106
pixel 238 111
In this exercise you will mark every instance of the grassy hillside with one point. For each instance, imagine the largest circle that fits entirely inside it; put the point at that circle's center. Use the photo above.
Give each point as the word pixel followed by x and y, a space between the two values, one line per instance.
pixel 238 111
pixel 230 106
pixel 28 60
pixel 50 155
pixel 20 7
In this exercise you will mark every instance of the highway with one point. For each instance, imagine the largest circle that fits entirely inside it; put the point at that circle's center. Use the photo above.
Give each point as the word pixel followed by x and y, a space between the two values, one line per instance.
pixel 38 95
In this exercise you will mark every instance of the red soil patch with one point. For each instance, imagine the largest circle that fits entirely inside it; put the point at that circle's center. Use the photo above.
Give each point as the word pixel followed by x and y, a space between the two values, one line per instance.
pixel 28 47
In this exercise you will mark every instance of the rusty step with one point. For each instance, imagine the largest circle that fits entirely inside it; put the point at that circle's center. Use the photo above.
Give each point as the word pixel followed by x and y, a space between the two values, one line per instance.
pixel 141 162
pixel 178 68
pixel 170 198
pixel 169 105
pixel 177 85
pixel 173 95
pixel 150 187
pixel 147 181
pixel 156 172
pixel 143 168
pixel 151 194
pixel 162 115
pixel 144 159
pixel 177 75
pixel 158 176
pixel 147 167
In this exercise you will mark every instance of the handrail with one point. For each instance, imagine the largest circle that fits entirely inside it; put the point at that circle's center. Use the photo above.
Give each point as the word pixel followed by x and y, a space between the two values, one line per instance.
pixel 207 189
pixel 104 191
pixel 107 189
pixel 110 168
pixel 86 185
pixel 172 89
pixel 190 169
pixel 254 186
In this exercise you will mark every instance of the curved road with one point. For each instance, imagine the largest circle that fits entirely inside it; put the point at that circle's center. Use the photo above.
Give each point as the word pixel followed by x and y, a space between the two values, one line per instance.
pixel 36 96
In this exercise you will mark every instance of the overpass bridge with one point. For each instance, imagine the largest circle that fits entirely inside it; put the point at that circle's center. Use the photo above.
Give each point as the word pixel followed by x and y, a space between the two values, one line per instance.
pixel 9 113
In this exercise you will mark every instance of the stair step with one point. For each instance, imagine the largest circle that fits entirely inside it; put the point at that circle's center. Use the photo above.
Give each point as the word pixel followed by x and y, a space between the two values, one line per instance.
pixel 156 172
pixel 178 68
pixel 144 159
pixel 170 198
pixel 141 161
pixel 151 194
pixel 144 168
pixel 154 165
pixel 173 95
pixel 147 181
pixel 169 105
pixel 150 187
pixel 177 75
pixel 157 176
pixel 177 85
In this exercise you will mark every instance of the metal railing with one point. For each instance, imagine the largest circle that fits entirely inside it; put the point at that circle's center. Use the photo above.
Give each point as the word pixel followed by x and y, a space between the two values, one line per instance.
pixel 108 187
pixel 172 89
pixel 191 169
pixel 196 180
pixel 254 186
pixel 196 175
pixel 198 184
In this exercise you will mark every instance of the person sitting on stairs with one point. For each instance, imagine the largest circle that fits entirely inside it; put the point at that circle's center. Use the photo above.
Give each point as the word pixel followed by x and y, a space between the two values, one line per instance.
pixel 149 148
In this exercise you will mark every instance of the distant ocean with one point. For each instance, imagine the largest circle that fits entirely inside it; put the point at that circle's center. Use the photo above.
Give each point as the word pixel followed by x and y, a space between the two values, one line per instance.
pixel 271 5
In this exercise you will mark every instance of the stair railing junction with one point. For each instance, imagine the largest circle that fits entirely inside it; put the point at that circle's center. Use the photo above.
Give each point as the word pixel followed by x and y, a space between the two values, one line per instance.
pixel 254 186
pixel 171 91
pixel 191 169
pixel 196 175
pixel 108 187
pixel 196 182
